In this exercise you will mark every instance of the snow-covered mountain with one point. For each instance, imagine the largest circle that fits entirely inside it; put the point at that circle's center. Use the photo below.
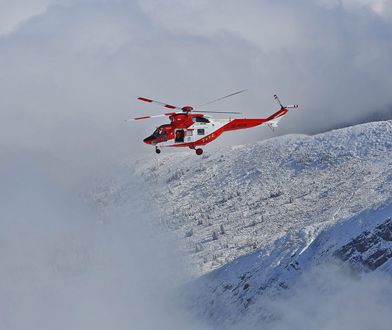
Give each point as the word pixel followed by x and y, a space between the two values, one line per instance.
pixel 243 289
pixel 253 219
pixel 234 201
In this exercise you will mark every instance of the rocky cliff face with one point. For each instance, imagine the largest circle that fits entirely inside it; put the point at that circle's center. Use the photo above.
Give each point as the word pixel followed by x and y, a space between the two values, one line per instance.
pixel 370 250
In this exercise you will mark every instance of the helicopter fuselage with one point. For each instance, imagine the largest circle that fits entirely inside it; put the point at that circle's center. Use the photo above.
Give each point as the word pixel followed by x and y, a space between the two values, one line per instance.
pixel 193 130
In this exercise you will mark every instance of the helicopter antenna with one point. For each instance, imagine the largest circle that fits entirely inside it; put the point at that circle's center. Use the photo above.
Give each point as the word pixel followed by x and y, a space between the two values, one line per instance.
pixel 221 98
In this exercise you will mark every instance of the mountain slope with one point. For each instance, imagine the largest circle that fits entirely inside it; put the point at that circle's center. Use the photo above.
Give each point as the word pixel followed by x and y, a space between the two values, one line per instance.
pixel 231 202
pixel 256 220
pixel 242 291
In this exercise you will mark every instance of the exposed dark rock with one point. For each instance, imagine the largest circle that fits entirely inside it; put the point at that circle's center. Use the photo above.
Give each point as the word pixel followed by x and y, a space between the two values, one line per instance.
pixel 371 249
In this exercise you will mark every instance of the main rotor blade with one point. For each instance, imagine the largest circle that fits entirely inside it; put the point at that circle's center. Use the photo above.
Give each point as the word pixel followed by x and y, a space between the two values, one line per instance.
pixel 148 117
pixel 222 98
pixel 165 105
pixel 229 112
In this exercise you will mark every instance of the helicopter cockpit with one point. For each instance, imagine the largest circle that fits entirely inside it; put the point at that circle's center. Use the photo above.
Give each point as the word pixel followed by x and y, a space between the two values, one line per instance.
pixel 159 135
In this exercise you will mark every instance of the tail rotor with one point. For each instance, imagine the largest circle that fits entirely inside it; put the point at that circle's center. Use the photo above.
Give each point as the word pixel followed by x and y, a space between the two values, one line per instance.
pixel 291 106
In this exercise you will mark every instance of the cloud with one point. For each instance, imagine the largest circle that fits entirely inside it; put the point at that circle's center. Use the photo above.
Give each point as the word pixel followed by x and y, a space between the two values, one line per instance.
pixel 380 7
pixel 63 269
pixel 72 73
pixel 327 297
pixel 331 298
pixel 331 60
pixel 13 14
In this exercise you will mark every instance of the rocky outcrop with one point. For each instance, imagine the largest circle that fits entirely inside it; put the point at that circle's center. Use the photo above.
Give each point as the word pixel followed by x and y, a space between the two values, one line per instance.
pixel 370 250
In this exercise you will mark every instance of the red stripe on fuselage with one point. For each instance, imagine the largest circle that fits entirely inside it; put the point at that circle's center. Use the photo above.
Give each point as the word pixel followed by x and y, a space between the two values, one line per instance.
pixel 243 123
pixel 277 114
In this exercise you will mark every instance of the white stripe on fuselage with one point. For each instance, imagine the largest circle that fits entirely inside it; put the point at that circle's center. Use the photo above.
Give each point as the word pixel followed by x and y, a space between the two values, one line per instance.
pixel 209 128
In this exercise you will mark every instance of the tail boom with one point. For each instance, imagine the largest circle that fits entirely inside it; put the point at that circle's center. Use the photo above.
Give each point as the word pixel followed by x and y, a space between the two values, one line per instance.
pixel 248 123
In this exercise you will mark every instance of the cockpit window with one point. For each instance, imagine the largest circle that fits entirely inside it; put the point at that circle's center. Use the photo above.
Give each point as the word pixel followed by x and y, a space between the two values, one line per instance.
pixel 200 120
pixel 157 132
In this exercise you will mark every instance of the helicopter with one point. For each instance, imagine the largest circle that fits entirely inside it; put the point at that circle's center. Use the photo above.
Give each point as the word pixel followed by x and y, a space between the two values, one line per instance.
pixel 194 130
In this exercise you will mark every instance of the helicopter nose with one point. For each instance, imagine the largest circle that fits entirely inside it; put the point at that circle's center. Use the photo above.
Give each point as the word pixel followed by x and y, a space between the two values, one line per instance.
pixel 148 140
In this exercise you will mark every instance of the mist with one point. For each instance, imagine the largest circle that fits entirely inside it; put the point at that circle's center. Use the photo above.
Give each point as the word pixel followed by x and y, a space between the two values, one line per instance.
pixel 64 266
pixel 328 296
pixel 332 297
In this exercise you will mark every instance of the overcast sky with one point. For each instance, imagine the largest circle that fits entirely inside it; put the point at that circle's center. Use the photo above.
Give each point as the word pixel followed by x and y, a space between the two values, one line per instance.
pixel 71 69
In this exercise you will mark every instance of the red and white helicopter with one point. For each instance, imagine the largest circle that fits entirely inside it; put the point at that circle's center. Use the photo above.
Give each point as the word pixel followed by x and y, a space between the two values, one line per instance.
pixel 193 130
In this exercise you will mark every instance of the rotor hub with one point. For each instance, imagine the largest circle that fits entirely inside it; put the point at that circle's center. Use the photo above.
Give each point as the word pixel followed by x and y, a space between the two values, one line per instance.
pixel 187 108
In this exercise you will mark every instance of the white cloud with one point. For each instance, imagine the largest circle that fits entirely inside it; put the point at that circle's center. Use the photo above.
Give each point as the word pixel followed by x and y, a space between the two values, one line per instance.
pixel 64 269
pixel 379 7
pixel 329 298
pixel 14 13
pixel 81 64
